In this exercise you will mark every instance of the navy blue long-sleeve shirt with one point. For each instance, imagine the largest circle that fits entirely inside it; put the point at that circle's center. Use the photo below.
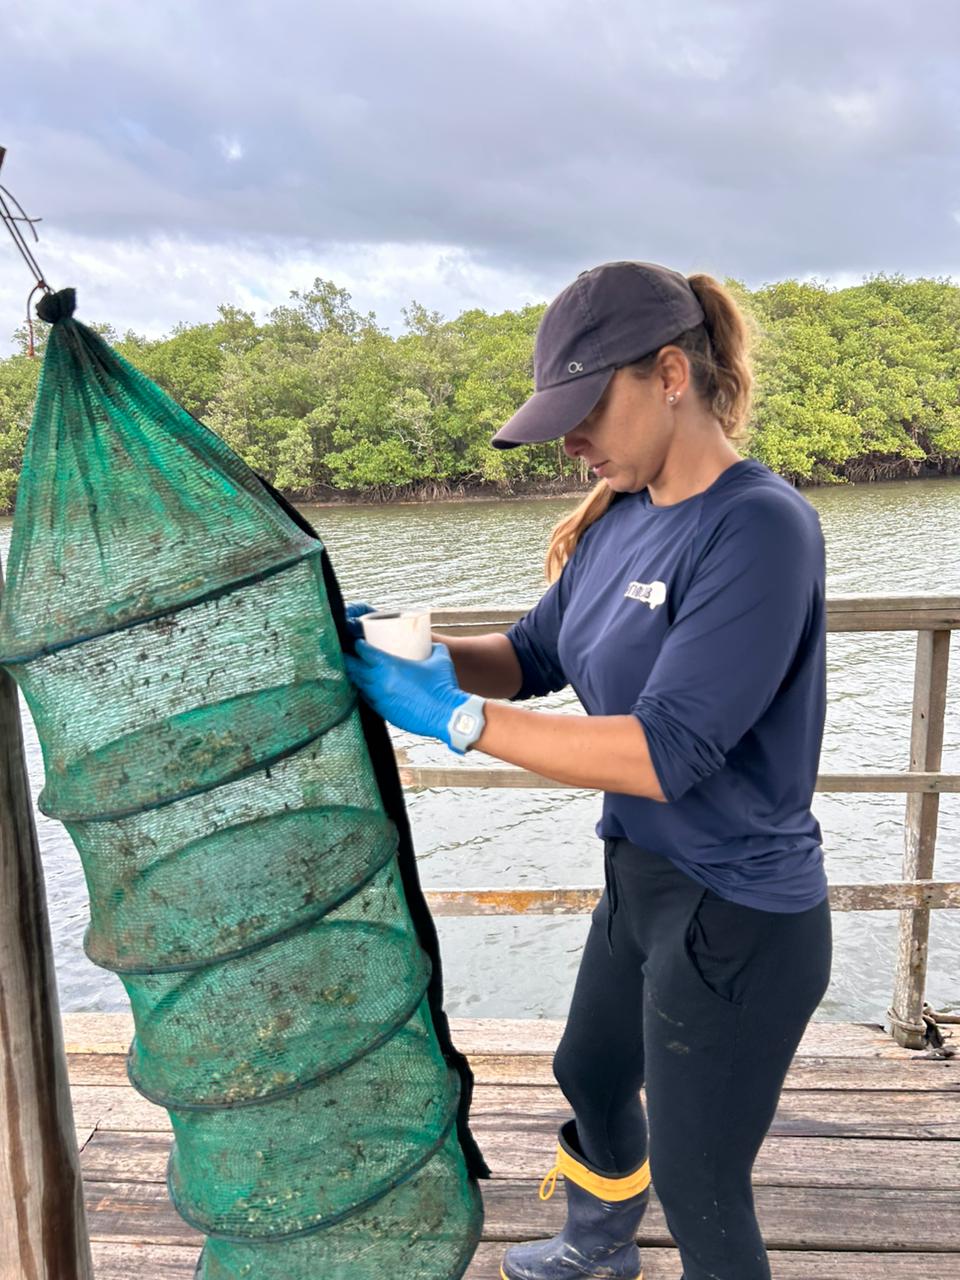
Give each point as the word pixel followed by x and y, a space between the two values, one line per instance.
pixel 706 620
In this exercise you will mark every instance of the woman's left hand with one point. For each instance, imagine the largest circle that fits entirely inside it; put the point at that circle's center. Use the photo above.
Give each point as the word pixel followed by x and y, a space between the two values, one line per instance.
pixel 417 696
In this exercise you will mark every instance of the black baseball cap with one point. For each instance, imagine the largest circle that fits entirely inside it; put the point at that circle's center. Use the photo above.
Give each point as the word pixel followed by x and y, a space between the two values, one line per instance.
pixel 610 316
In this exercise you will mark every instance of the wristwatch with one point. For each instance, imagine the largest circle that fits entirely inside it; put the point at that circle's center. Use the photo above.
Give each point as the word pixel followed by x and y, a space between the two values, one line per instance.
pixel 467 723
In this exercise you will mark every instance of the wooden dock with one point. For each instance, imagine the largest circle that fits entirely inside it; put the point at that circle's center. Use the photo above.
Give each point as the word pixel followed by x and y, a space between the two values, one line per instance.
pixel 859 1178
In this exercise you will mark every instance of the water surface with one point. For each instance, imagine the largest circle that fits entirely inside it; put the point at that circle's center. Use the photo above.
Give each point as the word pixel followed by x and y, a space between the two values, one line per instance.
pixel 900 536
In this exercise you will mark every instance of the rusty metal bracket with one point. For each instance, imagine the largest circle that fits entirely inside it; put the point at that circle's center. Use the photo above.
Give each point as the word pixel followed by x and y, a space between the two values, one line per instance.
pixel 12 214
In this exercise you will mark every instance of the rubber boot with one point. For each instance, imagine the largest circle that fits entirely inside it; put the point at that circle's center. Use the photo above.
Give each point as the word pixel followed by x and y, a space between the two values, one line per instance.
pixel 598 1240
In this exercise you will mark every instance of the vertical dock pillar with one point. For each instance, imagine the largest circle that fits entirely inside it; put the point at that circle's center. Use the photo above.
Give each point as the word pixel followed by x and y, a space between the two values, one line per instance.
pixel 920 834
pixel 43 1233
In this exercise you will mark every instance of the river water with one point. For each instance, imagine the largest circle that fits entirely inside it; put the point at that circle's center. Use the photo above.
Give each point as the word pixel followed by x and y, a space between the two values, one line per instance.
pixel 900 536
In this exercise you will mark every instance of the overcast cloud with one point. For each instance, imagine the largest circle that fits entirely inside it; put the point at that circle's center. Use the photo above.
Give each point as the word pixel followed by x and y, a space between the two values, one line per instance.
pixel 470 154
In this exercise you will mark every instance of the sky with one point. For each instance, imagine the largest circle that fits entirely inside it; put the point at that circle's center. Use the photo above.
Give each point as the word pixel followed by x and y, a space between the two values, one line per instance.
pixel 465 154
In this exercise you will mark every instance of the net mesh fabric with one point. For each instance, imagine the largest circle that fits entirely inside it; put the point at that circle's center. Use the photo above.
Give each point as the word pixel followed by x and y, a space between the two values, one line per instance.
pixel 171 629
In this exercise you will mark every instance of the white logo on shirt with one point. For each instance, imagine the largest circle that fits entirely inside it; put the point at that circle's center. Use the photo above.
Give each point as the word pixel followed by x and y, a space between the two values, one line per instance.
pixel 651 593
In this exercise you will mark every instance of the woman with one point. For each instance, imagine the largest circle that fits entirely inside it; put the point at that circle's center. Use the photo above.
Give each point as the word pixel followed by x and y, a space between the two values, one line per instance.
pixel 686 609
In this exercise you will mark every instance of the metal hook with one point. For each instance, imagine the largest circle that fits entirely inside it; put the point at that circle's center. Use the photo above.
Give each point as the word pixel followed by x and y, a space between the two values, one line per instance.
pixel 12 221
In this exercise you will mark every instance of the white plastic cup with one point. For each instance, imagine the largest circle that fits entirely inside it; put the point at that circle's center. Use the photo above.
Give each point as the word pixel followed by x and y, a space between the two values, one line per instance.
pixel 403 632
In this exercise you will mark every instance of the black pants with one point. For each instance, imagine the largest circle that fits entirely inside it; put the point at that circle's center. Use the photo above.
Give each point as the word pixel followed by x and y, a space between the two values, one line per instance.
pixel 703 1002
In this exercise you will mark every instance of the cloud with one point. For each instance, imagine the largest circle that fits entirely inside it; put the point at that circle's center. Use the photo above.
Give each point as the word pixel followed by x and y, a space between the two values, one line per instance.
pixel 518 143
pixel 230 148
pixel 150 286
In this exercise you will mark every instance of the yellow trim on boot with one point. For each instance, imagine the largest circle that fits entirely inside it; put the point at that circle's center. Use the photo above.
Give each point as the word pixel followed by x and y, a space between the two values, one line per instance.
pixel 610 1189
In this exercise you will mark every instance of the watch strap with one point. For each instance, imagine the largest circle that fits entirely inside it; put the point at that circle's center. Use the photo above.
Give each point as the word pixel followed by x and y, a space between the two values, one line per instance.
pixel 466 723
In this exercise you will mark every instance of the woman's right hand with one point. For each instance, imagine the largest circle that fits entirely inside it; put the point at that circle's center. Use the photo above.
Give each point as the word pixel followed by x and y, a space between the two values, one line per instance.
pixel 354 613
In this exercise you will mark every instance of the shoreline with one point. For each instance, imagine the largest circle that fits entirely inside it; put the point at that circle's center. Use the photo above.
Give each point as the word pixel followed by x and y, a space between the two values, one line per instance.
pixel 432 494
pixel 483 493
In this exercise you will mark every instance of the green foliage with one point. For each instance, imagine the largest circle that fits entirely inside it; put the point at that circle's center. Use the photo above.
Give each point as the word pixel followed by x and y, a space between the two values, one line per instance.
pixel 190 363
pixel 319 399
pixel 855 378
pixel 18 388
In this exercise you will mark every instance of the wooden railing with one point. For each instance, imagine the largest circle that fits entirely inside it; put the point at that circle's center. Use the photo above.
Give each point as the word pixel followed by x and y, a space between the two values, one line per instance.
pixel 933 618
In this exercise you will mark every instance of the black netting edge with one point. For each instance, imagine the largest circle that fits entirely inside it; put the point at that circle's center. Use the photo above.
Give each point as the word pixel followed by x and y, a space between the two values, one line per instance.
pixel 391 792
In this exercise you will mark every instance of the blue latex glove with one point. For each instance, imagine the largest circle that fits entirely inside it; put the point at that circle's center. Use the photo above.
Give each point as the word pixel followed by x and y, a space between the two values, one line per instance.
pixel 354 613
pixel 417 696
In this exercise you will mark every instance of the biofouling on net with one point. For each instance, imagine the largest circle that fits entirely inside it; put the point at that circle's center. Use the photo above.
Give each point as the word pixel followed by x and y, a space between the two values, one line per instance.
pixel 176 629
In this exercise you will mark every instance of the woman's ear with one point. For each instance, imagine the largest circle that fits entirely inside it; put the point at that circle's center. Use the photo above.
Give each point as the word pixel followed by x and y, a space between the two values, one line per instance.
pixel 673 371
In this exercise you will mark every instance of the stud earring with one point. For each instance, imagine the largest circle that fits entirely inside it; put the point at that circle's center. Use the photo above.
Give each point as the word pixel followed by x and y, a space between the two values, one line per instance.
pixel 671 398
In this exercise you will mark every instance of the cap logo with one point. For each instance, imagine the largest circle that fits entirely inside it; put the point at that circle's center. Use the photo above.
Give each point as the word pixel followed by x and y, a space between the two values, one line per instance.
pixel 574 367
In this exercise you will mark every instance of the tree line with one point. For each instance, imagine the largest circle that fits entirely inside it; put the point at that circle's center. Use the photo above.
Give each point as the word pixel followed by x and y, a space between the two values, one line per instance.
pixel 852 384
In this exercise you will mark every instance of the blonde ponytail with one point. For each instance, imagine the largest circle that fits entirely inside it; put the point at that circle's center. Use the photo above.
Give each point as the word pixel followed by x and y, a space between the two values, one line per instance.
pixel 567 532
pixel 719 353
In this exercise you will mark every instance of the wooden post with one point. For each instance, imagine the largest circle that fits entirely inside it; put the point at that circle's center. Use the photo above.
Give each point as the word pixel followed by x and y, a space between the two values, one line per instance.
pixel 43 1234
pixel 920 834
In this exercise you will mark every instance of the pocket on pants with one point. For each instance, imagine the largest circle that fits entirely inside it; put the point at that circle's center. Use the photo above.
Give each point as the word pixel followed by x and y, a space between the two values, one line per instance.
pixel 718 943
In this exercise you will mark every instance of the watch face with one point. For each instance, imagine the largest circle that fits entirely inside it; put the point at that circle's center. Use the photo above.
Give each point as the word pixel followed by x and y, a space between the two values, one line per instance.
pixel 465 722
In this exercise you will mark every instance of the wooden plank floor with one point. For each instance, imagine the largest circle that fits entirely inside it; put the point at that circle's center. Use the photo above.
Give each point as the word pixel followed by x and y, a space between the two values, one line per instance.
pixel 859 1178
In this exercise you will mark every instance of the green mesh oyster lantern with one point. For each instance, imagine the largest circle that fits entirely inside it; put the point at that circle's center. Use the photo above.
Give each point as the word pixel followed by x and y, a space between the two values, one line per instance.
pixel 176 629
